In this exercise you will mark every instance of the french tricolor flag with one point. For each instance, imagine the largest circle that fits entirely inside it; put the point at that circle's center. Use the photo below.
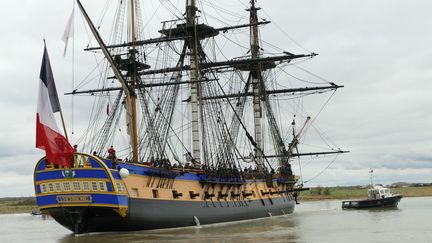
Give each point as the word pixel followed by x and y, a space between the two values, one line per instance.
pixel 48 136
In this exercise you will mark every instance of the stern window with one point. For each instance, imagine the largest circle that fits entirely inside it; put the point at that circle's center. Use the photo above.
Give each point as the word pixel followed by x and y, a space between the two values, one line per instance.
pixel 66 186
pixel 50 187
pixel 102 185
pixel 58 187
pixel 86 186
pixel 121 187
pixel 77 186
pixel 43 188
pixel 94 186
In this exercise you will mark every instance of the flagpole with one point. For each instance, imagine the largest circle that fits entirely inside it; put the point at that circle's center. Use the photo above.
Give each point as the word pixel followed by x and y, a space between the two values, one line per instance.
pixel 58 101
pixel 73 68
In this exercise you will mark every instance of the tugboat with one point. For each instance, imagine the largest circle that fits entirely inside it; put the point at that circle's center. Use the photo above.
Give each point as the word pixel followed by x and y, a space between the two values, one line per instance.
pixel 201 138
pixel 378 196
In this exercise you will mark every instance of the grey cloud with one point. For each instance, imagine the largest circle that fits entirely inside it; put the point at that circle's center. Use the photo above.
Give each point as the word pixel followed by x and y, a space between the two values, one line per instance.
pixel 378 49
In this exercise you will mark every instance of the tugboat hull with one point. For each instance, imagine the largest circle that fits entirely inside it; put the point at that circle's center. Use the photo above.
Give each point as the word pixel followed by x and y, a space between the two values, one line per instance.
pixel 372 203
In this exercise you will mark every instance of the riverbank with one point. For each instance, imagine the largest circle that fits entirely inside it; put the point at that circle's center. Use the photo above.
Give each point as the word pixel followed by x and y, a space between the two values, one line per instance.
pixel 17 205
pixel 356 192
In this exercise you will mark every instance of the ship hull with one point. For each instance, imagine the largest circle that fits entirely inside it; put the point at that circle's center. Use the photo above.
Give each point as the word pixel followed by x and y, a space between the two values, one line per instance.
pixel 95 198
pixel 147 214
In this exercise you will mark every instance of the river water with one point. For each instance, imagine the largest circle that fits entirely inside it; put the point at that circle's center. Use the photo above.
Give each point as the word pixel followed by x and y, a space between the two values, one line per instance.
pixel 322 221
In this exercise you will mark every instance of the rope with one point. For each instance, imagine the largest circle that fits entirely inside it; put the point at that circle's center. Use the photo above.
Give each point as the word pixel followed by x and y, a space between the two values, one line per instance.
pixel 321 172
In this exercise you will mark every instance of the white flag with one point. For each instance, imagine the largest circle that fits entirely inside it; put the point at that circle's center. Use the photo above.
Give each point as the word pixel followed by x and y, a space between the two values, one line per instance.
pixel 68 32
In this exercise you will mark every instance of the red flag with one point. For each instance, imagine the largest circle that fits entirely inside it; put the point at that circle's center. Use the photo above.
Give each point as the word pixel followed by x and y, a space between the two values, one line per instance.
pixel 48 136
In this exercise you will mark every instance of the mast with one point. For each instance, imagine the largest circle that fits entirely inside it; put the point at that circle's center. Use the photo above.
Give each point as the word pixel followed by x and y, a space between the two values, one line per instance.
pixel 115 66
pixel 256 86
pixel 192 42
pixel 133 75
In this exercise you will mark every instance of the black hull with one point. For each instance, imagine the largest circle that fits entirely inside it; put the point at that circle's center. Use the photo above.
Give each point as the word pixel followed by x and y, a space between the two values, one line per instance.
pixel 145 214
pixel 375 203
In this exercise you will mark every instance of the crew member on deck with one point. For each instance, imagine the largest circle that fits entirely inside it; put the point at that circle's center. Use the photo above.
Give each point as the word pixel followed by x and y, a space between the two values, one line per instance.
pixel 112 153
pixel 75 157
pixel 112 156
pixel 95 154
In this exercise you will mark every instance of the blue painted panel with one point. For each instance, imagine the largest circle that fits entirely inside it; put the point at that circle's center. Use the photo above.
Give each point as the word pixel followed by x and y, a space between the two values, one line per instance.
pixel 52 175
pixel 38 190
pixel 94 163
pixel 141 170
pixel 149 171
pixel 116 174
pixel 109 187
pixel 41 166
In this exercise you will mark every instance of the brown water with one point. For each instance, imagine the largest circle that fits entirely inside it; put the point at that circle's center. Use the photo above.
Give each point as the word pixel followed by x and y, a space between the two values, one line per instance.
pixel 312 222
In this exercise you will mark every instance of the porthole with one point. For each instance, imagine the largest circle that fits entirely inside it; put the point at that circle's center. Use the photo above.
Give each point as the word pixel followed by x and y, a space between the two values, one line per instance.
pixel 155 194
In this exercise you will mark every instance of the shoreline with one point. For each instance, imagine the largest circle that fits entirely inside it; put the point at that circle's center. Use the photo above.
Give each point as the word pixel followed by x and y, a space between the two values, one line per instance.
pixel 352 193
pixel 343 199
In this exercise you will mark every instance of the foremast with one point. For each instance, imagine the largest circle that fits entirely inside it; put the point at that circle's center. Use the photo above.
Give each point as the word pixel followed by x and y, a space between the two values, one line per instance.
pixel 132 67
pixel 133 98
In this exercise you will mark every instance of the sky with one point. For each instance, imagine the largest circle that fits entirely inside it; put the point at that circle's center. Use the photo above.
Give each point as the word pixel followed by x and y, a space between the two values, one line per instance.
pixel 378 49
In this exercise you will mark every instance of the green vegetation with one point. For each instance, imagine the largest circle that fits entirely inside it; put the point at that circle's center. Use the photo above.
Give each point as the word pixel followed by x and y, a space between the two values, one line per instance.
pixel 356 192
pixel 17 205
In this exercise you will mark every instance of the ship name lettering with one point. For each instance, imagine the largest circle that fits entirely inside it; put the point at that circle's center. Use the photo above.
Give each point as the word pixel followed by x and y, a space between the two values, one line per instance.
pixel 74 198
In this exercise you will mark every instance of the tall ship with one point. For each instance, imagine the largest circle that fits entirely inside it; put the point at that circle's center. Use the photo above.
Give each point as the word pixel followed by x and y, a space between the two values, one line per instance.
pixel 183 130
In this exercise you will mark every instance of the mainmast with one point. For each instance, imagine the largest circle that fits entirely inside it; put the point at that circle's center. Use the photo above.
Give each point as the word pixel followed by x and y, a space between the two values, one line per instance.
pixel 255 74
pixel 192 43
